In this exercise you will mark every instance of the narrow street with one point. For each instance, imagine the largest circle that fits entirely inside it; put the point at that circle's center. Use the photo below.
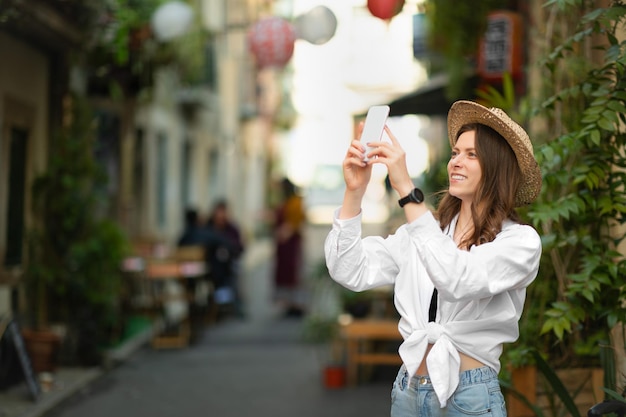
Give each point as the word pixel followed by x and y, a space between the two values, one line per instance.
pixel 257 366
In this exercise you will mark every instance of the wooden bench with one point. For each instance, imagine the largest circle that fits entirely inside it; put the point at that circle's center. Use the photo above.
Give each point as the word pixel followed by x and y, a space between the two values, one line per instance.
pixel 358 334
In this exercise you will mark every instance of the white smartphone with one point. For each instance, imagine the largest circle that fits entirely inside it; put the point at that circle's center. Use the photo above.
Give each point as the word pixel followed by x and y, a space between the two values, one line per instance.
pixel 374 126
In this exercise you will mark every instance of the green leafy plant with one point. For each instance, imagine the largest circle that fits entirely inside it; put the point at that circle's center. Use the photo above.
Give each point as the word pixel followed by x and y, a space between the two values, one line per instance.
pixel 582 203
pixel 506 100
pixel 124 54
pixel 321 325
pixel 75 252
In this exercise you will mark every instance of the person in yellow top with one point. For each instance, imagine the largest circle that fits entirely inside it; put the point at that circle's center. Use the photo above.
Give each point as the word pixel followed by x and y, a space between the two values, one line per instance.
pixel 288 230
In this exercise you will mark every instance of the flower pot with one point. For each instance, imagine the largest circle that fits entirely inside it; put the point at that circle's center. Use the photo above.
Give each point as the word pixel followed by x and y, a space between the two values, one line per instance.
pixel 43 348
pixel 524 380
pixel 334 376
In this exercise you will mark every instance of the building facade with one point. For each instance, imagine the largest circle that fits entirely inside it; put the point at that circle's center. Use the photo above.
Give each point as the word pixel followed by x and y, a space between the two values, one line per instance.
pixel 180 145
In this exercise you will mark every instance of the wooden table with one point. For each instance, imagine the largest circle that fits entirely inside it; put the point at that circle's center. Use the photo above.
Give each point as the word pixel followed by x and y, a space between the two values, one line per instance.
pixel 165 287
pixel 357 335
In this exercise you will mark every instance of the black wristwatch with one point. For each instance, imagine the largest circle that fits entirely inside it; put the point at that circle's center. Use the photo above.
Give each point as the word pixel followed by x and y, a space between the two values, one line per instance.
pixel 415 196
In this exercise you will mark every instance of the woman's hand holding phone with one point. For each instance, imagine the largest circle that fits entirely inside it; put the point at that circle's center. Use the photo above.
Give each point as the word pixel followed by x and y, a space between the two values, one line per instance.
pixel 357 174
pixel 373 129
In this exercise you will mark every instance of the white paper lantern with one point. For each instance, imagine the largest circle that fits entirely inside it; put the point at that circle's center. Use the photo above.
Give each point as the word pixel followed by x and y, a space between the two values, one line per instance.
pixel 317 26
pixel 171 20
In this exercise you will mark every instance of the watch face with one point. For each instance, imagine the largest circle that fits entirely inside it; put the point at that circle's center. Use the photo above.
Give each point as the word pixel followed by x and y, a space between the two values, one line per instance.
pixel 417 195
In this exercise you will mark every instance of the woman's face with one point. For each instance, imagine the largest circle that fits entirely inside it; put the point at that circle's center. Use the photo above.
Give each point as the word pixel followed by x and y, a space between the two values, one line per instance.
pixel 464 170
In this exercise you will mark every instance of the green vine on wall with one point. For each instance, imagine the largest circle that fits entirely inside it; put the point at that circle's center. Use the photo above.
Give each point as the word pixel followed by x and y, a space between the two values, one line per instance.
pixel 582 206
pixel 73 272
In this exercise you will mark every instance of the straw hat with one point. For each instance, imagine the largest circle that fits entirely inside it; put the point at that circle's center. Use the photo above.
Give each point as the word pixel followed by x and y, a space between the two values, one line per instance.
pixel 464 112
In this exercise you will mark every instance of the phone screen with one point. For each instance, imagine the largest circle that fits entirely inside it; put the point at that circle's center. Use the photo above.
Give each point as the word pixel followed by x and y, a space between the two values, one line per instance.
pixel 374 126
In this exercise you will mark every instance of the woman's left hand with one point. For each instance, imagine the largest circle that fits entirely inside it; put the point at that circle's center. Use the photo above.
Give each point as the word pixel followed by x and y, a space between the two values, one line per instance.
pixel 394 157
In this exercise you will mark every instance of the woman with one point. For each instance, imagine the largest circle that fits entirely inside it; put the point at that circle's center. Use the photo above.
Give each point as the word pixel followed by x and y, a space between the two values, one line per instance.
pixel 470 263
pixel 288 237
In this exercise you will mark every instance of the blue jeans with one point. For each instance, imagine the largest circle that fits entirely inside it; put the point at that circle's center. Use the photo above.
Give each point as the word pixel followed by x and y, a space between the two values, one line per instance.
pixel 477 395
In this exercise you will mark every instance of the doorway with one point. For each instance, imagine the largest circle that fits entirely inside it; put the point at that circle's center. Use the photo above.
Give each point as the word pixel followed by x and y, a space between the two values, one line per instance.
pixel 14 179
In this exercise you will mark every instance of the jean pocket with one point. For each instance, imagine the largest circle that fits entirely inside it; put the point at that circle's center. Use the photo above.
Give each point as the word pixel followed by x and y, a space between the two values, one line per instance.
pixel 473 400
pixel 400 384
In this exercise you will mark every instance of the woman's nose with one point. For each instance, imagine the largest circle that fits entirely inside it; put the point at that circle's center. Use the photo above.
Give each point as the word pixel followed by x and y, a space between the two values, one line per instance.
pixel 456 159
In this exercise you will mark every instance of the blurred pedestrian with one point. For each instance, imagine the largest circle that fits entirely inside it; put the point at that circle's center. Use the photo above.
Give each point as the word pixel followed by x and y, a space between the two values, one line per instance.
pixel 193 233
pixel 217 250
pixel 225 256
pixel 289 223
pixel 460 275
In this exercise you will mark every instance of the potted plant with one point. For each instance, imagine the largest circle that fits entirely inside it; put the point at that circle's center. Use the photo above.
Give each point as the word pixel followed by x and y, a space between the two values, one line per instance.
pixel 321 325
pixel 74 251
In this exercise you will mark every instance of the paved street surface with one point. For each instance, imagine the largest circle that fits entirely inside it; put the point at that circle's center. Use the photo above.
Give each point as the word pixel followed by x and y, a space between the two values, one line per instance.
pixel 237 370
pixel 258 366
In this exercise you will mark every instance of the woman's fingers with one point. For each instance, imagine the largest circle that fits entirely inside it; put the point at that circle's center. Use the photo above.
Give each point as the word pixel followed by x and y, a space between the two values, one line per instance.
pixel 356 153
pixel 391 154
pixel 393 138
pixel 385 150
pixel 354 167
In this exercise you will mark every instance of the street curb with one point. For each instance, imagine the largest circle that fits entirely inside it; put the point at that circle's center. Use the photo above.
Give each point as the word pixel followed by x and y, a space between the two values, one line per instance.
pixel 71 380
pixel 53 398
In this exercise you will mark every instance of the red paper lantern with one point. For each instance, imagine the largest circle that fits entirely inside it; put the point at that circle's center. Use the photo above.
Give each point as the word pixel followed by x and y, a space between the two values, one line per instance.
pixel 385 9
pixel 271 41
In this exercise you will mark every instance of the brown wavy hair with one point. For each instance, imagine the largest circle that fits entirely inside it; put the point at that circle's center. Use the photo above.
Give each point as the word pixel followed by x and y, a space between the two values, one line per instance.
pixel 494 200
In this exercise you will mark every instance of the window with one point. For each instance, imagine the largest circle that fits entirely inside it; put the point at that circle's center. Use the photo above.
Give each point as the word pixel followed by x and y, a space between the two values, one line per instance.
pixel 161 175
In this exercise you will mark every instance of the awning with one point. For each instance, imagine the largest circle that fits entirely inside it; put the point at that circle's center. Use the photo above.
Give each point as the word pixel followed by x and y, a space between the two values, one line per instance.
pixel 430 99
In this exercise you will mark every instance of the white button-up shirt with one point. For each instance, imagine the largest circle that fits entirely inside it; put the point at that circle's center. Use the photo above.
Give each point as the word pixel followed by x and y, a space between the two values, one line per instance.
pixel 481 291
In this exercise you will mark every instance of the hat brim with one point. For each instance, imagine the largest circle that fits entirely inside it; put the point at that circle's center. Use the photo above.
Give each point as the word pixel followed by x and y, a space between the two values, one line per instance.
pixel 465 112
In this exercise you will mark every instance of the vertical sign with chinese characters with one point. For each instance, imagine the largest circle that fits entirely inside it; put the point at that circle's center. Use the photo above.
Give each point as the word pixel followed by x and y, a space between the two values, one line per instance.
pixel 500 48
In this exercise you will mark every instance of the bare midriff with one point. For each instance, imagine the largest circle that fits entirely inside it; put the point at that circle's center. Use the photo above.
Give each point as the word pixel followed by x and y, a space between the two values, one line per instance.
pixel 467 363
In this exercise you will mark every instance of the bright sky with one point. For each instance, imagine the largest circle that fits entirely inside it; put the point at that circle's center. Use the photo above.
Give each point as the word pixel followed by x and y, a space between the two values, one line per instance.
pixel 367 62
